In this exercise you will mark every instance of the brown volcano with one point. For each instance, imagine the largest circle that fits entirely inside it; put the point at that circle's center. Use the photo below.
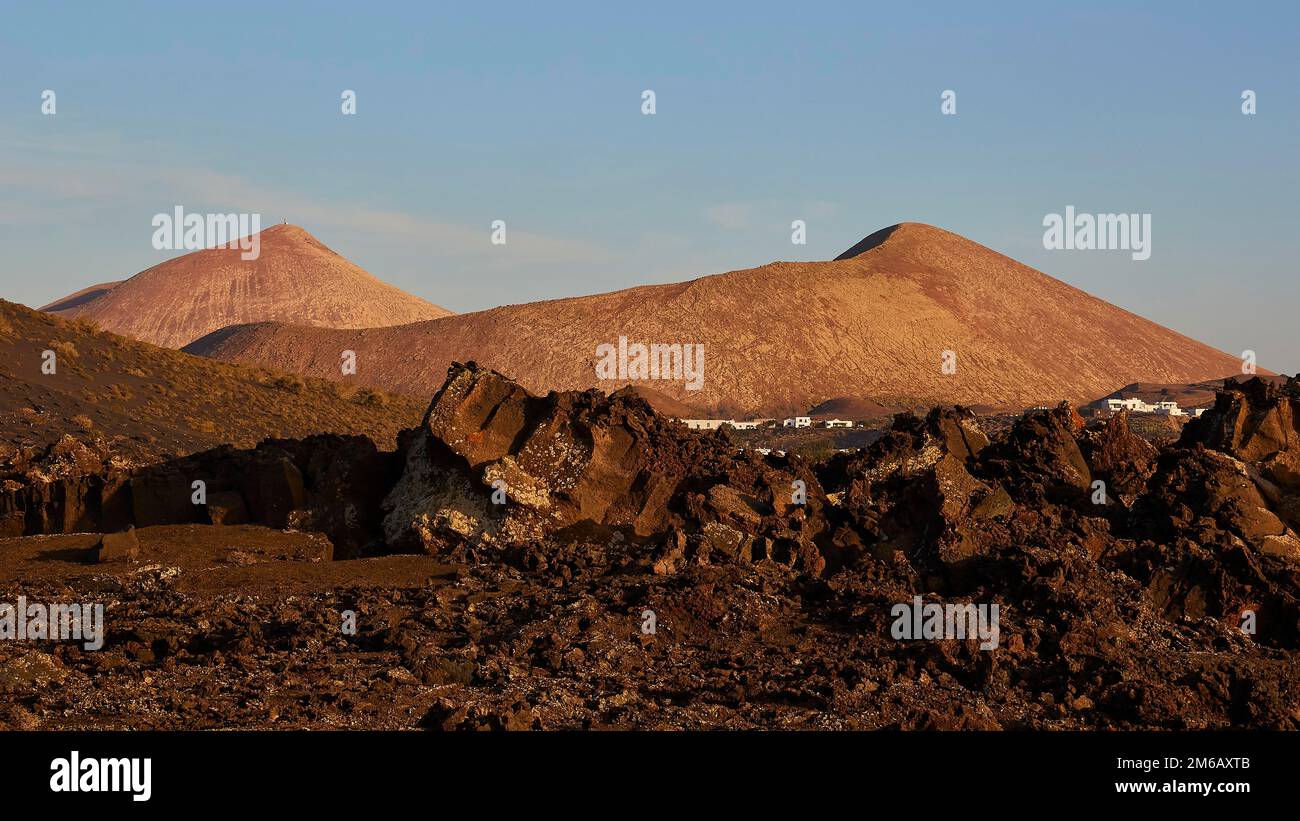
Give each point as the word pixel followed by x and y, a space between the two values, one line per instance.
pixel 786 336
pixel 295 278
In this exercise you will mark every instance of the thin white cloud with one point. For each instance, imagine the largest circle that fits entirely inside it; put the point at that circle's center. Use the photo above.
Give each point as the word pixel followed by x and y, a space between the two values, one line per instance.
pixel 73 187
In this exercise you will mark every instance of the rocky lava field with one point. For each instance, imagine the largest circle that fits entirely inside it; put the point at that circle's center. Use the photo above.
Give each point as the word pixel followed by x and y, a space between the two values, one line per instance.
pixel 503 564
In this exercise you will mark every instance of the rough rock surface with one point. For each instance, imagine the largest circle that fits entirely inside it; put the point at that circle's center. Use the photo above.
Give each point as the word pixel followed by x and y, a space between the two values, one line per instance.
pixel 332 484
pixel 494 465
pixel 637 574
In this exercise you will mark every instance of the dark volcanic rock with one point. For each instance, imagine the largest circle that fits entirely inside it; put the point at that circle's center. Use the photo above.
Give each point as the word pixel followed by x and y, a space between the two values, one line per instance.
pixel 332 484
pixel 596 565
pixel 492 464
pixel 1041 456
pixel 1259 424
pixel 912 490
pixel 1253 421
pixel 1119 457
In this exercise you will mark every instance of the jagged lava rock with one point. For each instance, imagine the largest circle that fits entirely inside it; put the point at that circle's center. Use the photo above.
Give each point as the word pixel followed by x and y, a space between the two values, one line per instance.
pixel 492 463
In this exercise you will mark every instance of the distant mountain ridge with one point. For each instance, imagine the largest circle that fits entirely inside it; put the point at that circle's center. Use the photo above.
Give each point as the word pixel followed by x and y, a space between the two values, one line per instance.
pixel 787 336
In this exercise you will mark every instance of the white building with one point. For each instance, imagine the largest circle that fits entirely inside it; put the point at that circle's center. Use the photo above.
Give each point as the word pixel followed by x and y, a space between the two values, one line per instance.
pixel 1168 409
pixel 714 424
pixel 1196 412
pixel 705 424
pixel 1134 404
pixel 798 422
pixel 837 423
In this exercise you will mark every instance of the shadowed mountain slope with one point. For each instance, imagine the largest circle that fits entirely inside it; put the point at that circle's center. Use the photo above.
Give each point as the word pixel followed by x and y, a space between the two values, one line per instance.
pixel 144 400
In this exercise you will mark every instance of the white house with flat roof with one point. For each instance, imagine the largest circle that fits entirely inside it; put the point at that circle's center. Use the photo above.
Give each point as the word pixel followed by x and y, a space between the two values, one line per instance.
pixel 704 424
pixel 1134 405
pixel 798 422
pixel 1167 407
pixel 714 424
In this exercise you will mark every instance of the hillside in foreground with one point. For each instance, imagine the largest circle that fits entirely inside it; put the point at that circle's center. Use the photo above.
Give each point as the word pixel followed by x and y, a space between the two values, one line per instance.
pixel 146 400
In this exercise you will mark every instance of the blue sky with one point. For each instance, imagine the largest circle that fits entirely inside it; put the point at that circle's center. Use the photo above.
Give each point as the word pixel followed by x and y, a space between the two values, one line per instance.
pixel 766 113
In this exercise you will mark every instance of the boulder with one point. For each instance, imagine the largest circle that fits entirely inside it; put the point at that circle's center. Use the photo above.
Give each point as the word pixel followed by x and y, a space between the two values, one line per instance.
pixel 1040 457
pixel 493 464
pixel 118 547
pixel 1119 457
